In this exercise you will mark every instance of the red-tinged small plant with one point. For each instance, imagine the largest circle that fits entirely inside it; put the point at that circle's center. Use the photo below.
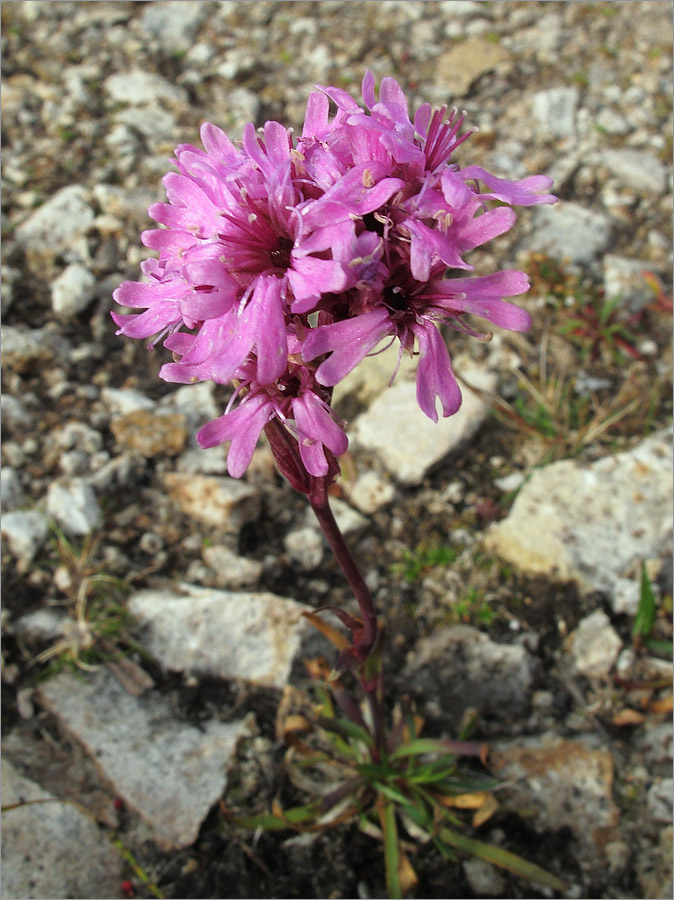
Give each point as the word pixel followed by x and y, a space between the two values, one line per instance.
pixel 282 263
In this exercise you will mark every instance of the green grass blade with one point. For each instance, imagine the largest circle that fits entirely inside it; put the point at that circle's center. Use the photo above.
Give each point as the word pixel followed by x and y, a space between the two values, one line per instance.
pixel 645 617
pixel 502 858
pixel 391 849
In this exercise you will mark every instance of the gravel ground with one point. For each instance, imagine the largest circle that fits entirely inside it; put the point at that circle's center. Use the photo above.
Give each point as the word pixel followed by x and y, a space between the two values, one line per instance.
pixel 505 563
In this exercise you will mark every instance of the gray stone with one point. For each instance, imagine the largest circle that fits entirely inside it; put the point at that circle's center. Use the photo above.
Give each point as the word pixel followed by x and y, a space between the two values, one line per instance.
pixel 466 669
pixel 232 571
pixel 637 169
pixel 569 231
pixel 370 493
pixel 72 502
pixel 139 88
pixel 224 503
pixel 54 226
pixel 51 848
pixel 24 350
pixel 72 290
pixel 25 533
pixel 465 62
pixel 561 783
pixel 169 772
pixel 655 742
pixel 150 120
pixel 624 281
pixel 592 523
pixel 126 400
pixel 14 413
pixel 196 402
pixel 407 442
pixel 659 800
pixel 594 645
pixel 555 110
pixel 174 24
pixel 484 878
pixel 222 634
pixel 10 488
pixel 43 625
pixel 305 547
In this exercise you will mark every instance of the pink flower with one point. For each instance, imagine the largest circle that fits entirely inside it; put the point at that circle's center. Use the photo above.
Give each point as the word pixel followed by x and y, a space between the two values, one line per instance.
pixel 283 263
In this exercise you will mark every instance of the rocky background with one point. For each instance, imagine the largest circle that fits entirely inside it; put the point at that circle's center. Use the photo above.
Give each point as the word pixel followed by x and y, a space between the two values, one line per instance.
pixel 152 606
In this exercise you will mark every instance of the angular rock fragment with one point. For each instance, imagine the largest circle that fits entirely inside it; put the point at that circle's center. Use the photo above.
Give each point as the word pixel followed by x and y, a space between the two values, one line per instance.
pixel 169 772
pixel 221 634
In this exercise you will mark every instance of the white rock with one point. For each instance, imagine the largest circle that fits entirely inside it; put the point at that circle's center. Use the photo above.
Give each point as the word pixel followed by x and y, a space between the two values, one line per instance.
pixel 659 800
pixel 225 503
pixel 52 849
pixel 72 290
pixel 594 645
pixel 125 401
pixel 370 493
pixel 221 634
pixel 555 110
pixel 569 231
pixel 169 772
pixel 484 879
pixel 14 413
pixel 467 669
pixel 637 169
pixel 25 533
pixel 138 88
pixel 406 441
pixel 55 225
pixel 10 488
pixel 232 571
pixel 174 24
pixel 73 504
pixel 592 523
pixel 624 281
pixel 24 349
pixel 305 547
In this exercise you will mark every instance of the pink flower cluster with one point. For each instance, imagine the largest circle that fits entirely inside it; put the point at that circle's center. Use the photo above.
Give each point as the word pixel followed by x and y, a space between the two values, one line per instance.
pixel 283 263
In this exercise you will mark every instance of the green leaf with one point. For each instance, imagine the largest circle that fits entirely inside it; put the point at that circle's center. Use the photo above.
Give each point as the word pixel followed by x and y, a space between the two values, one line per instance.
pixel 502 858
pixel 645 617
pixel 347 729
pixel 664 648
pixel 391 849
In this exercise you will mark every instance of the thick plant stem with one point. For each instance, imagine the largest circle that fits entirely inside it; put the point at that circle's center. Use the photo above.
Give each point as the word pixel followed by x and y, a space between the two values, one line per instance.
pixel 318 498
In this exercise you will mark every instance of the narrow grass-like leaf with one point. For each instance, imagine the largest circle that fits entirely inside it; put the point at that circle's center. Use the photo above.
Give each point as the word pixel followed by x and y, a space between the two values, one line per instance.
pixel 347 729
pixel 502 858
pixel 387 819
pixel 645 617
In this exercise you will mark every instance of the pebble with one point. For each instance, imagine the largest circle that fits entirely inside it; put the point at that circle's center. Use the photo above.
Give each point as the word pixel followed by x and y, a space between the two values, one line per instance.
pixel 570 232
pixel 305 547
pixel 176 24
pixel 150 433
pixel 140 88
pixel 406 441
pixel 10 486
pixel 460 67
pixel 370 492
pixel 594 646
pixel 469 670
pixel 637 169
pixel 231 571
pixel 591 523
pixel 25 350
pixel 72 502
pixel 167 771
pixel 14 413
pixel 624 281
pixel 252 637
pixel 125 401
pixel 72 291
pixel 555 111
pixel 659 800
pixel 55 225
pixel 25 533
pixel 224 503
pixel 562 784
pixel 52 848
